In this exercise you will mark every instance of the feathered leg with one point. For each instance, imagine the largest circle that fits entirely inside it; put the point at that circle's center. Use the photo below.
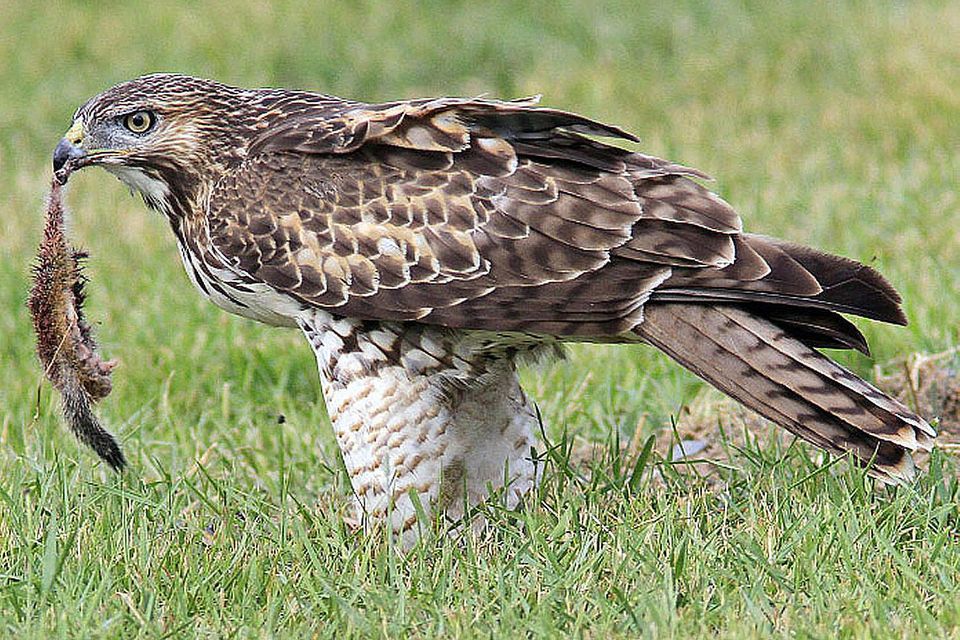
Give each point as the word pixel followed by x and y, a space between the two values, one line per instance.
pixel 426 411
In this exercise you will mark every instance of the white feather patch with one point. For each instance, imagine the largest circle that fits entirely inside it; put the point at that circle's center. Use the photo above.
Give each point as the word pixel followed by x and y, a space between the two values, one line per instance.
pixel 154 191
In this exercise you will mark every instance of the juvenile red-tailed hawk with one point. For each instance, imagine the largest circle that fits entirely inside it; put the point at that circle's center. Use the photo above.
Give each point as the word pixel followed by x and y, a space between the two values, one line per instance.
pixel 425 246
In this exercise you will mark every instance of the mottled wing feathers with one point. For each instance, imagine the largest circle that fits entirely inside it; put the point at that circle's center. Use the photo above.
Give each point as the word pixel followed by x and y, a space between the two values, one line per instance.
pixel 474 239
pixel 502 215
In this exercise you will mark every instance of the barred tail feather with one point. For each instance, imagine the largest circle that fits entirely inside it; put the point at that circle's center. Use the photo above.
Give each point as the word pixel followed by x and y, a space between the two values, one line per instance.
pixel 763 366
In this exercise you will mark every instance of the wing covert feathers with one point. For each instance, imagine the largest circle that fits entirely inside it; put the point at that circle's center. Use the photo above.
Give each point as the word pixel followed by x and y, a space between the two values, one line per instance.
pixel 531 227
pixel 759 364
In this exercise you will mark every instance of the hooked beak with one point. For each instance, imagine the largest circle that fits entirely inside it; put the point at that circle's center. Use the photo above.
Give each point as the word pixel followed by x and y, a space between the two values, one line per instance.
pixel 64 152
pixel 69 148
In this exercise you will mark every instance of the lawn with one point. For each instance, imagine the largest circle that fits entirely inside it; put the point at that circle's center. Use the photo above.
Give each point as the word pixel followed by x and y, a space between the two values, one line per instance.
pixel 835 124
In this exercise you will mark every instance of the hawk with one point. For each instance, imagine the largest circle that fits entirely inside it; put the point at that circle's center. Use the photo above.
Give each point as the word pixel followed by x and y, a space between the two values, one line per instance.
pixel 425 247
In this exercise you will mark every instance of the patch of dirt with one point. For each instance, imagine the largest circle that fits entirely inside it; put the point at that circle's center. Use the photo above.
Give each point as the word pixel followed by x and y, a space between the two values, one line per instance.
pixel 930 385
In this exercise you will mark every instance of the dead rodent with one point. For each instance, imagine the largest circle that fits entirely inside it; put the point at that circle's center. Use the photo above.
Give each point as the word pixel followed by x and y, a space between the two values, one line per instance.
pixel 65 342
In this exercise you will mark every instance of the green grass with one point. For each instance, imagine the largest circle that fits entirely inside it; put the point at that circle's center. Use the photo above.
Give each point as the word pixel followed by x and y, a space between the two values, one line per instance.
pixel 834 124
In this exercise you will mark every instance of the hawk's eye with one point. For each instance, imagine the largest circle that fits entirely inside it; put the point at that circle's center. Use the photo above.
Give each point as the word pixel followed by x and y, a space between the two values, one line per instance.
pixel 139 121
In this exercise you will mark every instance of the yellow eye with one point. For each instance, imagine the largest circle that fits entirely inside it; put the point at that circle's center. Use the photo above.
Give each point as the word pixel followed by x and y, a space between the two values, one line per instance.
pixel 139 121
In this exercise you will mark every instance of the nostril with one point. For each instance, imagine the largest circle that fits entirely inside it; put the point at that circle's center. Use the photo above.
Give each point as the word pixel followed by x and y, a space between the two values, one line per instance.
pixel 64 152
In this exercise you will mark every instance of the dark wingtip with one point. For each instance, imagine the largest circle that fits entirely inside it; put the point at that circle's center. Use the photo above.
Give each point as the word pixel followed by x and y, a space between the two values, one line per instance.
pixel 817 328
pixel 871 293
pixel 849 285
pixel 857 343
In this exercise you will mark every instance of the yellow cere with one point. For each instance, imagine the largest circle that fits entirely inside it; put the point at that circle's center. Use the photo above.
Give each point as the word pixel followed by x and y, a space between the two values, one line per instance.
pixel 75 133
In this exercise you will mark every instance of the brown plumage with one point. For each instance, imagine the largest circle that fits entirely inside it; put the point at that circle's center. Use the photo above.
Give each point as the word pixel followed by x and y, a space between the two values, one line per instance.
pixel 502 224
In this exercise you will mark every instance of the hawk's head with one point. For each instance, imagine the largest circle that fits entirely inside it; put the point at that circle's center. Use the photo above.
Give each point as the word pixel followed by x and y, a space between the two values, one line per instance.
pixel 164 135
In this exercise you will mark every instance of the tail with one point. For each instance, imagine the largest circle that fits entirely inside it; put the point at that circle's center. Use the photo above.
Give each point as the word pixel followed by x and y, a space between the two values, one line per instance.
pixel 763 365
pixel 77 406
